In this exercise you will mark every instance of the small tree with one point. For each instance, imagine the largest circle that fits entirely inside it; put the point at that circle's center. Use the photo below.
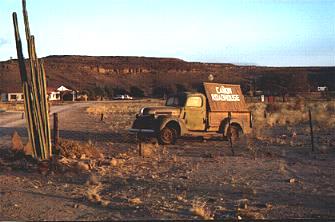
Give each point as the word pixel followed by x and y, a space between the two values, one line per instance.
pixel 137 92
pixel 118 91
pixel 180 88
pixel 161 92
pixel 99 91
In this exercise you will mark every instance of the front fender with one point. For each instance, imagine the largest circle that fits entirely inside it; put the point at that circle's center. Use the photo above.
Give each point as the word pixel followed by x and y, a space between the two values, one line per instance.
pixel 163 121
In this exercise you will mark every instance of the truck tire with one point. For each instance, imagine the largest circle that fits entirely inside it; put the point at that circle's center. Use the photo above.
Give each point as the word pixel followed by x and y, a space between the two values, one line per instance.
pixel 234 132
pixel 167 136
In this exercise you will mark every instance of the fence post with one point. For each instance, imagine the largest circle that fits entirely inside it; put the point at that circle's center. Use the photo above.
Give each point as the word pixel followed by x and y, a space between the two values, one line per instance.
pixel 139 144
pixel 311 128
pixel 56 130
pixel 229 134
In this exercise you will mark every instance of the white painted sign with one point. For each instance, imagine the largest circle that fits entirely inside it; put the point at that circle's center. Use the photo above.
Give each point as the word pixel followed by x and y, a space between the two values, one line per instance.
pixel 224 94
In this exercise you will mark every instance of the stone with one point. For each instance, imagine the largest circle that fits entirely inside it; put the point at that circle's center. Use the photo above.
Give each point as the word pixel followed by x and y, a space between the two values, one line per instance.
pixel 83 166
pixel 28 149
pixel 17 144
pixel 292 180
pixel 114 162
pixel 93 180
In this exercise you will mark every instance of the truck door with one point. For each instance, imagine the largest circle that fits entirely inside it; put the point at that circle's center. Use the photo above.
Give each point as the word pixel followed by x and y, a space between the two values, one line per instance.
pixel 195 113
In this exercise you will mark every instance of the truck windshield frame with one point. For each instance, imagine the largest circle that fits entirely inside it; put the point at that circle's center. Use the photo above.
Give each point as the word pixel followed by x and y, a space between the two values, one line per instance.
pixel 176 101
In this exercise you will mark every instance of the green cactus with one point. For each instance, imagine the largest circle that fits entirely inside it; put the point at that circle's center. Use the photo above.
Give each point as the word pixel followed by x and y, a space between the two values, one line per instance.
pixel 35 93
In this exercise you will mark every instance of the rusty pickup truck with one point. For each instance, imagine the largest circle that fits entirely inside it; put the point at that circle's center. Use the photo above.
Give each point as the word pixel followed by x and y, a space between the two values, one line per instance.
pixel 221 110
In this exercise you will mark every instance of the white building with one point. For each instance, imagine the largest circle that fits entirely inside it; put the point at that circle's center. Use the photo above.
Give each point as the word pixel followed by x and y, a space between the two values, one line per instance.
pixel 66 94
pixel 322 88
pixel 54 96
pixel 12 97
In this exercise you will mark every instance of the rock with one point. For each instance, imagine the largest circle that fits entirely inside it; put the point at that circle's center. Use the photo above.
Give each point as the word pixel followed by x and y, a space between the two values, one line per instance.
pixel 147 149
pixel 28 149
pixel 183 177
pixel 147 152
pixel 294 134
pixel 135 201
pixel 105 203
pixel 64 161
pixel 17 144
pixel 180 198
pixel 83 166
pixel 207 155
pixel 114 162
pixel 43 167
pixel 93 180
pixel 82 157
pixel 292 180
pixel 243 203
pixel 94 197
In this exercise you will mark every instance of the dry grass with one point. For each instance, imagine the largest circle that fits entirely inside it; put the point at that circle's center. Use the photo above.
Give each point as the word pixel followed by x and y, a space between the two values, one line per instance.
pixel 132 107
pixel 73 149
pixel 200 209
pixel 120 115
pixel 293 113
pixel 11 106
pixel 282 168
pixel 290 117
pixel 135 201
pixel 92 193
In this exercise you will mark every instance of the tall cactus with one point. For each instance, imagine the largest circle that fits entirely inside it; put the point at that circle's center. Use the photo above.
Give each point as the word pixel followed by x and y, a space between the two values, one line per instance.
pixel 35 93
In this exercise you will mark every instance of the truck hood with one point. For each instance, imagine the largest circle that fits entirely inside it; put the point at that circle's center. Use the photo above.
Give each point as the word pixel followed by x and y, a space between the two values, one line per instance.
pixel 161 110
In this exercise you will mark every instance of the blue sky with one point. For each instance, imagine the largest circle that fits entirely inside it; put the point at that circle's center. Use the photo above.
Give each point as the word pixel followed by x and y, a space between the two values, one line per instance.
pixel 261 32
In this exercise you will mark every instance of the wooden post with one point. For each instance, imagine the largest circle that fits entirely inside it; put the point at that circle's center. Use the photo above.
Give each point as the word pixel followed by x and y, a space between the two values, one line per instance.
pixel 102 117
pixel 56 130
pixel 139 144
pixel 311 128
pixel 229 134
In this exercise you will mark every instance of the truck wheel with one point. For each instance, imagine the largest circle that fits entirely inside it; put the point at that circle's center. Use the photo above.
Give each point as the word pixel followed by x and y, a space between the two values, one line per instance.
pixel 167 136
pixel 233 132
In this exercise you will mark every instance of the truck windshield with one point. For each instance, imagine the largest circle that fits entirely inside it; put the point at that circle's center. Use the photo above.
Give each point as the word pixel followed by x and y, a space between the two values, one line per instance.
pixel 175 101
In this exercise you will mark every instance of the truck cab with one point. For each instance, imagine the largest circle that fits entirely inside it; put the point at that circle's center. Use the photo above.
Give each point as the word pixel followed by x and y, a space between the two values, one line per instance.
pixel 191 114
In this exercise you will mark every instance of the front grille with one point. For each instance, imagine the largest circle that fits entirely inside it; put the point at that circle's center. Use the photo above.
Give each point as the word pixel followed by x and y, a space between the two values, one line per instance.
pixel 145 122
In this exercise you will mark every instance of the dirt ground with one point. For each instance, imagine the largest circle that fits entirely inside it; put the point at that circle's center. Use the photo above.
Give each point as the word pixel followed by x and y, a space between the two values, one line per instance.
pixel 272 176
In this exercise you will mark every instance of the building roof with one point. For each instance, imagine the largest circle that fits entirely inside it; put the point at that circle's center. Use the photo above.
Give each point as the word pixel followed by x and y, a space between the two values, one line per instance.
pixel 63 89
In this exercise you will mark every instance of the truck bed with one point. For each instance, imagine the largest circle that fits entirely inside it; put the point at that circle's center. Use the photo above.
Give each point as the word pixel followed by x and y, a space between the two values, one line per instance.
pixel 215 119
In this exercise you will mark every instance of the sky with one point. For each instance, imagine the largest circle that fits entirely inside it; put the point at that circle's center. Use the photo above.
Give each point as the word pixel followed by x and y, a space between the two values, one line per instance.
pixel 247 32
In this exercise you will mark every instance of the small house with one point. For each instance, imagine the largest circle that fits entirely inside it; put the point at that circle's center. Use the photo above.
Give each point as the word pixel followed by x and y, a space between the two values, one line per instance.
pixel 53 94
pixel 66 94
pixel 13 94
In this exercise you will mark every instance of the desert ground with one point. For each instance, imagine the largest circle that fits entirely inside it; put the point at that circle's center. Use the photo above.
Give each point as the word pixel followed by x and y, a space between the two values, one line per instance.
pixel 98 173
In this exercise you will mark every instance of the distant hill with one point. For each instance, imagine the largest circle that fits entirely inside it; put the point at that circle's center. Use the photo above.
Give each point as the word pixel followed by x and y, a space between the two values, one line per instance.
pixel 157 76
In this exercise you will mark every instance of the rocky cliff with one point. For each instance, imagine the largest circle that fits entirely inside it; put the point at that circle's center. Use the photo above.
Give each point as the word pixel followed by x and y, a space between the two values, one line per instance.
pixel 156 76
